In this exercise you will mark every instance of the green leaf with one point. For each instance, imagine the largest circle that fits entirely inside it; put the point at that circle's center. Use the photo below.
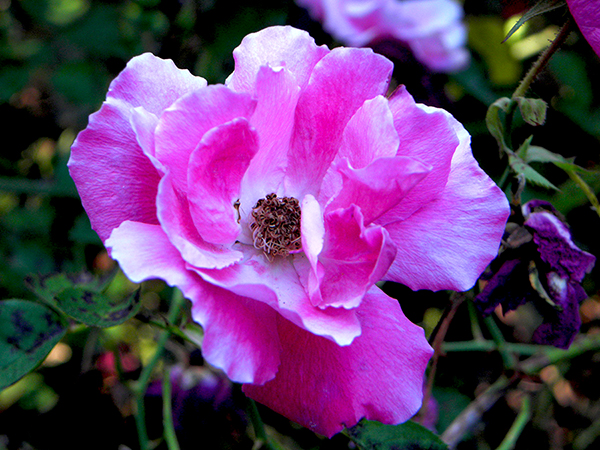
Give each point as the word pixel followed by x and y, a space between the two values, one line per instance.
pixel 531 175
pixel 540 7
pixel 95 309
pixel 533 110
pixel 369 435
pixel 28 331
pixel 494 122
pixel 79 297
pixel 533 153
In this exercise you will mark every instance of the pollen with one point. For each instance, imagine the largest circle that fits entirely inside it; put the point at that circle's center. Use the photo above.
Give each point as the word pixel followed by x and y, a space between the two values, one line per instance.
pixel 275 226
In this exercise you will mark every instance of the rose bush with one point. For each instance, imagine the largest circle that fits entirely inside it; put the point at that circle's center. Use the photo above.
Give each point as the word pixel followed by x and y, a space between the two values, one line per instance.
pixel 276 201
pixel 433 29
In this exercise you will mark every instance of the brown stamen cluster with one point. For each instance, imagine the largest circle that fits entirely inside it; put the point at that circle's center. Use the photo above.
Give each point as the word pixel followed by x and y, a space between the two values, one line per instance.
pixel 276 225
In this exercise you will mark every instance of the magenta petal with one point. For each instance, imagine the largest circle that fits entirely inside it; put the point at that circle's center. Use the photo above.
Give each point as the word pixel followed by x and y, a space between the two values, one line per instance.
pixel 153 83
pixel 215 172
pixel 240 334
pixel 176 221
pixel 379 186
pixel 449 241
pixel 108 150
pixel 353 259
pixel 339 85
pixel 277 284
pixel 325 387
pixel 182 126
pixel 428 135
pixel 587 16
pixel 277 95
pixel 274 47
pixel 144 125
pixel 369 134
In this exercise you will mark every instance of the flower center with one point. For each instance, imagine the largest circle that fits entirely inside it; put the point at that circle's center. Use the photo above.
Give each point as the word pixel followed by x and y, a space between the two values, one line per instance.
pixel 276 225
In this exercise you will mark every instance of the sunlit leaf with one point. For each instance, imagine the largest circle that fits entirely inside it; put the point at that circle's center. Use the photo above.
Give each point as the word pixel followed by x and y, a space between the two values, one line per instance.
pixel 485 37
pixel 28 331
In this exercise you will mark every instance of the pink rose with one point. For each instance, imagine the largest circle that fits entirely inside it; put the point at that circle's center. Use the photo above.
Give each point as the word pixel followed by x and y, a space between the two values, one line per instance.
pixel 587 16
pixel 433 29
pixel 276 201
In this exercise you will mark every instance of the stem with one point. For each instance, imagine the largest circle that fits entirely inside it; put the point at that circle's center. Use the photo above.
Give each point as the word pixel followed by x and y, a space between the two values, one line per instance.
pixel 144 380
pixel 475 328
pixel 507 357
pixel 489 346
pixel 588 436
pixel 553 355
pixel 586 190
pixel 168 427
pixel 438 339
pixel 542 61
pixel 471 415
pixel 259 427
pixel 510 440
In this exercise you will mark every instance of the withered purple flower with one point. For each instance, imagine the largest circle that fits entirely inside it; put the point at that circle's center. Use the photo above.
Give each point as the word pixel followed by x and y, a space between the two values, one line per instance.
pixel 542 264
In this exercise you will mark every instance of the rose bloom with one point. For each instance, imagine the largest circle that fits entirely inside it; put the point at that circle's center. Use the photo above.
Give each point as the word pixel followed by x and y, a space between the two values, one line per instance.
pixel 433 29
pixel 275 203
pixel 587 15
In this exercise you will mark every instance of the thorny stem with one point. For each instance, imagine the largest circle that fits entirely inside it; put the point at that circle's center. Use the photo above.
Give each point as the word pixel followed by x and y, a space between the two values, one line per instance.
pixel 144 380
pixel 438 339
pixel 525 83
pixel 543 59
pixel 510 440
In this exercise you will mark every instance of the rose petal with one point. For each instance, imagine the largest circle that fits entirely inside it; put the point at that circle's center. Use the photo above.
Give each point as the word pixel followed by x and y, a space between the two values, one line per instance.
pixel 240 334
pixel 325 387
pixel 274 47
pixel 587 16
pixel 153 83
pixel 108 150
pixel 378 187
pixel 340 83
pixel 277 284
pixel 353 259
pixel 181 126
pixel 428 135
pixel 215 173
pixel 449 241
pixel 176 220
pixel 277 95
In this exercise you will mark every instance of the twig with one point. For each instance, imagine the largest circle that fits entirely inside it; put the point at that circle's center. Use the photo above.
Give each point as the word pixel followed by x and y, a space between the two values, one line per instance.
pixel 471 415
